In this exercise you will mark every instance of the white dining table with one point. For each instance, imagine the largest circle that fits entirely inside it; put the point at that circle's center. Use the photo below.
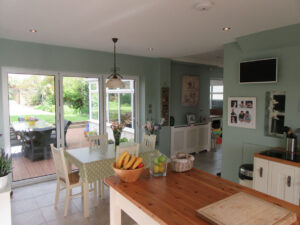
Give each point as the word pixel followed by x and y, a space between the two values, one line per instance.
pixel 96 164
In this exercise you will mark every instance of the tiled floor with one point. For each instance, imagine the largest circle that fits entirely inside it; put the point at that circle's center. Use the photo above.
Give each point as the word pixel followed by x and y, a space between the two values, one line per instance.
pixel 34 204
pixel 210 162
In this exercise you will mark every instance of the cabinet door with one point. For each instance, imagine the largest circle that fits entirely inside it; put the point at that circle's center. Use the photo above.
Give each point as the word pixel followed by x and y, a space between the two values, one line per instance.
pixel 281 181
pixel 260 175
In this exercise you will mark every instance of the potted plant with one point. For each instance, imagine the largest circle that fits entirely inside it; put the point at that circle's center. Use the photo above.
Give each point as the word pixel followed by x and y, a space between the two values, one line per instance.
pixel 5 168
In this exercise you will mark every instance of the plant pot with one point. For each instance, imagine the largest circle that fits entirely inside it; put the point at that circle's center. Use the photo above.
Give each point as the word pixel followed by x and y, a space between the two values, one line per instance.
pixel 3 182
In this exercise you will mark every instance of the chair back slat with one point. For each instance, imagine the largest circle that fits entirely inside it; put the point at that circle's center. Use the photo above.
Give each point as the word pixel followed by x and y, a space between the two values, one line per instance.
pixel 132 150
pixel 60 164
pixel 98 141
pixel 148 141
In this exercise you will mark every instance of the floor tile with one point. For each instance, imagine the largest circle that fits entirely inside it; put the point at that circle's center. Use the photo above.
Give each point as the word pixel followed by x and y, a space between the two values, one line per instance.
pixel 22 206
pixel 33 217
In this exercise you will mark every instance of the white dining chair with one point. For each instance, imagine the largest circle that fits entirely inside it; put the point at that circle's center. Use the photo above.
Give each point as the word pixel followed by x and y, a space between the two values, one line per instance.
pixel 67 180
pixel 148 141
pixel 131 149
pixel 98 141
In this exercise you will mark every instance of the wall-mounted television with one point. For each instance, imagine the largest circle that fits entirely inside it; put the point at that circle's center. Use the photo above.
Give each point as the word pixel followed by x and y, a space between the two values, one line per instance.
pixel 258 71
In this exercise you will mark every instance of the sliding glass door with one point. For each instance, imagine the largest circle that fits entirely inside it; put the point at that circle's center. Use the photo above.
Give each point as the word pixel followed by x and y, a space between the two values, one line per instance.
pixel 81 101
pixel 32 124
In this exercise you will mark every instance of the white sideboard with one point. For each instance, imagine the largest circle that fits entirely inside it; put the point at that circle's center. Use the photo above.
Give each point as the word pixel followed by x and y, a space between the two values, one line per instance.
pixel 194 138
pixel 277 179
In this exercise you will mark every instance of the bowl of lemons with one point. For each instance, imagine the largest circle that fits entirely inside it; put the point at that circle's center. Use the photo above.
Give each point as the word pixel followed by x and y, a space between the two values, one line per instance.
pixel 128 167
pixel 158 164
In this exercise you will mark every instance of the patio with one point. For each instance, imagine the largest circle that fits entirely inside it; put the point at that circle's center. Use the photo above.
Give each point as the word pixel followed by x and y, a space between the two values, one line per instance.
pixel 23 168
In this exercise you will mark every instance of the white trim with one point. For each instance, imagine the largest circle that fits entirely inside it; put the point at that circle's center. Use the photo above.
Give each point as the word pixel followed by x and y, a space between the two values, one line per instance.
pixel 34 180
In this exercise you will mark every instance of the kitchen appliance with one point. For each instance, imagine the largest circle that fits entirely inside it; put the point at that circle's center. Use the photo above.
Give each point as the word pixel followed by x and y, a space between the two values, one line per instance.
pixel 291 144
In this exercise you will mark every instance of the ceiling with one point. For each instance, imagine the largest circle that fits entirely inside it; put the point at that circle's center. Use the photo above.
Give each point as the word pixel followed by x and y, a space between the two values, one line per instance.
pixel 173 28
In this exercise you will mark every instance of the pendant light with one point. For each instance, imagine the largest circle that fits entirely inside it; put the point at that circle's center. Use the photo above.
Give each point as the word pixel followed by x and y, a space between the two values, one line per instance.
pixel 114 80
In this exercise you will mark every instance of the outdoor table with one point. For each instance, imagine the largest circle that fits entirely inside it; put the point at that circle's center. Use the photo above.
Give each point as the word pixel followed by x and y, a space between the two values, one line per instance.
pixel 96 164
pixel 23 126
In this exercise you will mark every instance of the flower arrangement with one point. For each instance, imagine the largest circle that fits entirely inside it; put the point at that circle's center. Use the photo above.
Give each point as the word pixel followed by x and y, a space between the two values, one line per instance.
pixel 117 130
pixel 152 128
pixel 30 118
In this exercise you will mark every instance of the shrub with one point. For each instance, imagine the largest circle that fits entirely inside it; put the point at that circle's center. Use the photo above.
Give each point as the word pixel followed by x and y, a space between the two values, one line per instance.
pixel 5 164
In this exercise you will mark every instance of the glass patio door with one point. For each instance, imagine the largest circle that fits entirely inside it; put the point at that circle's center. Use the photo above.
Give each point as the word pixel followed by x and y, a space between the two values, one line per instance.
pixel 121 108
pixel 80 111
pixel 32 124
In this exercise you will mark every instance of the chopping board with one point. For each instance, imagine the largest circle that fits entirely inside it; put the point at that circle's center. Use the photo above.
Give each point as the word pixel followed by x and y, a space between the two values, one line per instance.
pixel 245 209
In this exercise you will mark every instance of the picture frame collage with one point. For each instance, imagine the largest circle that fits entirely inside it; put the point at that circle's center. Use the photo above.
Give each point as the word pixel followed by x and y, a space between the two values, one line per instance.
pixel 242 112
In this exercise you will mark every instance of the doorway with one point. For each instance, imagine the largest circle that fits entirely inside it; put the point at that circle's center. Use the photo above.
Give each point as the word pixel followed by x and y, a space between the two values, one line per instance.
pixel 67 108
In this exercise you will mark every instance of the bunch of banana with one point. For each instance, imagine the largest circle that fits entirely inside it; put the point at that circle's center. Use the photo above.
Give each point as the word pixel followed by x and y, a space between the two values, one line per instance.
pixel 129 162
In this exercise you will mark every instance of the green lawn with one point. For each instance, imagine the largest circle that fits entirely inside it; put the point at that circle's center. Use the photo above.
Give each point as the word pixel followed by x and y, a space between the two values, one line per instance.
pixel 51 118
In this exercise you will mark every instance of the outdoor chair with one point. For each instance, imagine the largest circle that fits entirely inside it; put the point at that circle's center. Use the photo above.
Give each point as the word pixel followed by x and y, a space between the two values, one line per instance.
pixel 98 141
pixel 37 144
pixel 67 124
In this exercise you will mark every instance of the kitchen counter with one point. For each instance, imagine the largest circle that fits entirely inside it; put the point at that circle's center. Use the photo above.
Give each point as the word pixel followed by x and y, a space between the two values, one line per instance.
pixel 284 161
pixel 175 198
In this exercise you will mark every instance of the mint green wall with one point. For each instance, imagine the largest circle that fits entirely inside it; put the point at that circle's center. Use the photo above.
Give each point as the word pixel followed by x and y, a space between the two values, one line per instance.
pixel 239 144
pixel 206 73
pixel 62 59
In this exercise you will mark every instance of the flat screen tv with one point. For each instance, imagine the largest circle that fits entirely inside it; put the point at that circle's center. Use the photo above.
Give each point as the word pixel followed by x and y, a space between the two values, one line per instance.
pixel 258 71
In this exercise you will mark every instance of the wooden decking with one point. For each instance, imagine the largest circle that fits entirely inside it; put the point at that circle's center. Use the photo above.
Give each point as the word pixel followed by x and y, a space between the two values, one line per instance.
pixel 23 168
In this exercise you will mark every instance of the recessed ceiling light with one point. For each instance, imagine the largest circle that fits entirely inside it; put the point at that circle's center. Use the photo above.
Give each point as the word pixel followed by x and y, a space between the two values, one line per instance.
pixel 226 28
pixel 32 30
pixel 203 5
pixel 150 49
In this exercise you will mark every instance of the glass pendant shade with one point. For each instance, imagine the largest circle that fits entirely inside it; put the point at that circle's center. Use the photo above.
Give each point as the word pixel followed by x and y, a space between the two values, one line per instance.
pixel 114 80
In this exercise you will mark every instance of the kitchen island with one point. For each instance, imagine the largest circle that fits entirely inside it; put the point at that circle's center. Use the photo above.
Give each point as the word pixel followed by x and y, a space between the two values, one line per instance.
pixel 175 198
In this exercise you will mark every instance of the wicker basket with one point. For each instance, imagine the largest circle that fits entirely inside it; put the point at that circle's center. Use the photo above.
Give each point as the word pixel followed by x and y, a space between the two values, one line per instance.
pixel 182 162
pixel 128 175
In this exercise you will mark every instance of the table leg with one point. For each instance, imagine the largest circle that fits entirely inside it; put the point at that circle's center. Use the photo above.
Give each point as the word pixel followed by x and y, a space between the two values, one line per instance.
pixel 115 210
pixel 95 194
pixel 86 207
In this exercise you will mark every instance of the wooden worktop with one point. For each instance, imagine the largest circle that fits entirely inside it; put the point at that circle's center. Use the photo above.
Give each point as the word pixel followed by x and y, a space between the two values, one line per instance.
pixel 287 162
pixel 175 198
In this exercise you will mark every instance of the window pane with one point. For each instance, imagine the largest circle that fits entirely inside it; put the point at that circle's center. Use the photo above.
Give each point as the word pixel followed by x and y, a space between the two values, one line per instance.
pixel 95 106
pixel 94 87
pixel 113 107
pixel 126 84
pixel 218 89
pixel 126 111
pixel 217 96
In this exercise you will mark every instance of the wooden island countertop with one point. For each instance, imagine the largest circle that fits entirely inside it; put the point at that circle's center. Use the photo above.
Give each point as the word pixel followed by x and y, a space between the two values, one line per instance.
pixel 175 198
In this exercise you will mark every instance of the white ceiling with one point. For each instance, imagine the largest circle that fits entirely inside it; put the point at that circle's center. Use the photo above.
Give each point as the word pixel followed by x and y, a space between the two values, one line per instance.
pixel 173 28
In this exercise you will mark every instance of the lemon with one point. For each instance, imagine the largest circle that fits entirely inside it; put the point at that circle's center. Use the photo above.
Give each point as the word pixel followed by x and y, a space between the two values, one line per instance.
pixel 156 169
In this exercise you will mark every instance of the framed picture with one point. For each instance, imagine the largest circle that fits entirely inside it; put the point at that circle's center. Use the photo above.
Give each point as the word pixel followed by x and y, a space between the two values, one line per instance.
pixel 190 91
pixel 242 112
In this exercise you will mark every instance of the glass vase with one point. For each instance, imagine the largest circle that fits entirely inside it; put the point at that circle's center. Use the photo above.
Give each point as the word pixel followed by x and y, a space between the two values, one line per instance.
pixel 117 139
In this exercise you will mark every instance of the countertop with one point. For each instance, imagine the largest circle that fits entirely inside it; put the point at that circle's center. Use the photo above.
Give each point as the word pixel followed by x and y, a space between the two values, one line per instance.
pixel 175 198
pixel 287 162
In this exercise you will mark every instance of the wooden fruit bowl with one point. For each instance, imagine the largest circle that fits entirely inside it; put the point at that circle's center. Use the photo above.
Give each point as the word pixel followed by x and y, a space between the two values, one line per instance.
pixel 128 176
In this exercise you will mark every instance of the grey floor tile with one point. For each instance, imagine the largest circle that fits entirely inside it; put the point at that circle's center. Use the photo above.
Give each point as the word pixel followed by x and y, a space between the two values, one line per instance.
pixel 33 217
